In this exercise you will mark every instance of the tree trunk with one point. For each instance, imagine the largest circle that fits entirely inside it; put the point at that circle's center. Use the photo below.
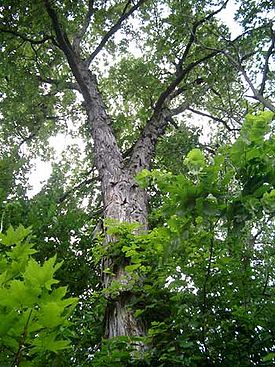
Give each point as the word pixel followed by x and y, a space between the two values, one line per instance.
pixel 123 201
pixel 126 202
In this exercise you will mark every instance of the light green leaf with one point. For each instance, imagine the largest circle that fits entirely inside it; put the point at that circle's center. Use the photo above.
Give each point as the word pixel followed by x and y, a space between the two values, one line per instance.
pixel 46 342
pixel 14 236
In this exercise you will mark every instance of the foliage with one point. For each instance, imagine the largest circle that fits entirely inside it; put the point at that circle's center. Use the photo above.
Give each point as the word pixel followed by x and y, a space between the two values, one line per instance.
pixel 218 259
pixel 201 279
pixel 33 311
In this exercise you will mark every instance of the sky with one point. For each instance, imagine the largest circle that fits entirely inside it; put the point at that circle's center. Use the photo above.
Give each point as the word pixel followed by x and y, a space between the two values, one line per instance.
pixel 41 170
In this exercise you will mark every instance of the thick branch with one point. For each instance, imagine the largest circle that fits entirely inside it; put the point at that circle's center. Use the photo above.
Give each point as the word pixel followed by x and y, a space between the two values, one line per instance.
pixel 114 29
pixel 108 155
pixel 66 47
pixel 143 150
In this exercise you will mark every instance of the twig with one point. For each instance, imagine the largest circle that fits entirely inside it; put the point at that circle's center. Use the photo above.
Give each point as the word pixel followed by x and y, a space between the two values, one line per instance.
pixel 86 181
pixel 213 118
pixel 24 334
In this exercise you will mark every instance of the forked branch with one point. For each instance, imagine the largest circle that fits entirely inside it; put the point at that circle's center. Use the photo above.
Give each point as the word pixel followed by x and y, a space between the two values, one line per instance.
pixel 194 29
pixel 125 15
pixel 215 118
pixel 79 36
pixel 256 95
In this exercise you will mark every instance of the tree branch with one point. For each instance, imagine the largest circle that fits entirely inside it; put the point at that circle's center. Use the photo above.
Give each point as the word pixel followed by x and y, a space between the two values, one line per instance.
pixel 23 337
pixel 25 38
pixel 114 28
pixel 194 29
pixel 180 90
pixel 266 66
pixel 237 63
pixel 56 82
pixel 62 37
pixel 78 37
pixel 86 181
pixel 213 118
pixel 257 94
pixel 171 87
pixel 185 105
pixel 144 148
pixel 66 47
pixel 180 109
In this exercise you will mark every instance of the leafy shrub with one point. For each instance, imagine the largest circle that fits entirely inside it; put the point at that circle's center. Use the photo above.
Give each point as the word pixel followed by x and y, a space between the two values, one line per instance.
pixel 33 311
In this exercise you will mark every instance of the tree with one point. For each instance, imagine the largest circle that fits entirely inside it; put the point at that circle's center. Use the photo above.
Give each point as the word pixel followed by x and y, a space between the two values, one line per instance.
pixel 53 48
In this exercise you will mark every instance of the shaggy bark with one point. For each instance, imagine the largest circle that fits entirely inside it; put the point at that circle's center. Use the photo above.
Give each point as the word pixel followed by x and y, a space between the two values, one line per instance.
pixel 123 201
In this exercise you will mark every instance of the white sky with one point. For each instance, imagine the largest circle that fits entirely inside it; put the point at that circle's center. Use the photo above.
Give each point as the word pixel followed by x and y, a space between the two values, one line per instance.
pixel 42 170
pixel 227 17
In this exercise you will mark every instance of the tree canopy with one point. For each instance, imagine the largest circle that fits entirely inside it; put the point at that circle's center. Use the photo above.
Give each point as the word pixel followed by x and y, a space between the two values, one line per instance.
pixel 150 244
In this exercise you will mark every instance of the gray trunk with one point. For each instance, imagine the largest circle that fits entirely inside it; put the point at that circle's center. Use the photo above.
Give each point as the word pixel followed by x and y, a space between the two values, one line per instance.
pixel 123 201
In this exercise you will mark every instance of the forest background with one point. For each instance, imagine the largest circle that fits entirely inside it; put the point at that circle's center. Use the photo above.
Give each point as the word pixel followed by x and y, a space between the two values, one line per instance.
pixel 147 246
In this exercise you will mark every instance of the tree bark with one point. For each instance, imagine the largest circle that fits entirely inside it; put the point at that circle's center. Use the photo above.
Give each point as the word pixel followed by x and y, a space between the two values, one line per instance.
pixel 123 201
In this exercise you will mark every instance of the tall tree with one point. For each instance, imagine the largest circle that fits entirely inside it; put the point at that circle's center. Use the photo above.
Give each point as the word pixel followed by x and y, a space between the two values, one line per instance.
pixel 52 47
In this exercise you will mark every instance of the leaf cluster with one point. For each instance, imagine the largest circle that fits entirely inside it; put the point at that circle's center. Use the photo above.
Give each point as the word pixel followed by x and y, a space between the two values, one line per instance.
pixel 34 312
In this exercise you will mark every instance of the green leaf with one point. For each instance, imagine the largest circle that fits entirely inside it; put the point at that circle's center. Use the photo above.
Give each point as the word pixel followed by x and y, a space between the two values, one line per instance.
pixel 269 357
pixel 18 294
pixel 14 236
pixel 133 267
pixel 50 343
pixel 41 275
pixel 195 160
pixel 50 314
pixel 268 201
